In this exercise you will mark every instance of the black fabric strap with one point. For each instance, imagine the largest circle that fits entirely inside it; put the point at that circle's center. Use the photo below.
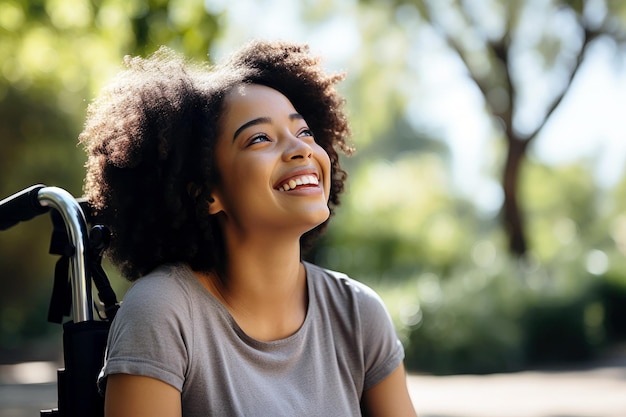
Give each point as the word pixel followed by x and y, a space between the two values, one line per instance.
pixel 99 240
pixel 61 299
pixel 105 291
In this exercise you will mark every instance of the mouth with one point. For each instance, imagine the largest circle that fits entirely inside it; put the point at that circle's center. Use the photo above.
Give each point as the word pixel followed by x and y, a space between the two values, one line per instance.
pixel 300 181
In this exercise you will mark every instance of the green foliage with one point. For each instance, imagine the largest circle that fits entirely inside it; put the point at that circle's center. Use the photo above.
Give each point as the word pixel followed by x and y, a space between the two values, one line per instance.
pixel 375 97
pixel 459 302
pixel 376 229
pixel 612 292
pixel 563 302
pixel 557 221
pixel 556 332
pixel 505 316
pixel 54 56
pixel 469 324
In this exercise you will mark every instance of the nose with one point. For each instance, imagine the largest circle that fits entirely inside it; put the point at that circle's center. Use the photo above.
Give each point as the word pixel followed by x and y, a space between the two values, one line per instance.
pixel 296 148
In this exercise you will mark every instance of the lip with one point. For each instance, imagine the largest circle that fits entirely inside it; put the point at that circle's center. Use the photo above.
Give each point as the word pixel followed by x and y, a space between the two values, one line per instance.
pixel 295 174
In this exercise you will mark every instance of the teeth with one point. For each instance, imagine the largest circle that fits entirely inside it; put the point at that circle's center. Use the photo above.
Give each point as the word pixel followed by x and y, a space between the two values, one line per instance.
pixel 303 180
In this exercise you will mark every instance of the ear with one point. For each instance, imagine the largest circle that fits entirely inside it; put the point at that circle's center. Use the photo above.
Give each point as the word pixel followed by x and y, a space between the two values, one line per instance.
pixel 215 203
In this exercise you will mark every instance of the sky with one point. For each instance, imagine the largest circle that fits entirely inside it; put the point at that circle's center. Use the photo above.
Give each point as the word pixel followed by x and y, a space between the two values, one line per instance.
pixel 588 124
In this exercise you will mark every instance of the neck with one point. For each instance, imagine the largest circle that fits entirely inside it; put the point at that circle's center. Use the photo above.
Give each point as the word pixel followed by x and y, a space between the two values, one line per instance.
pixel 263 286
pixel 265 270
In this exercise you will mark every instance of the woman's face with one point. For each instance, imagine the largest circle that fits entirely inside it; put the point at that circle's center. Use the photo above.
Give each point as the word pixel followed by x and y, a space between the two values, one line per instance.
pixel 274 176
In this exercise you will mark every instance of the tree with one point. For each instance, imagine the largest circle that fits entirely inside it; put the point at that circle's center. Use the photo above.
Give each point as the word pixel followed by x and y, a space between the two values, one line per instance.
pixel 511 48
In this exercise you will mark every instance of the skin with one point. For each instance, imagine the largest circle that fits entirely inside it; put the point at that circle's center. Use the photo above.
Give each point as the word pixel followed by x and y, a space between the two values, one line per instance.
pixel 263 142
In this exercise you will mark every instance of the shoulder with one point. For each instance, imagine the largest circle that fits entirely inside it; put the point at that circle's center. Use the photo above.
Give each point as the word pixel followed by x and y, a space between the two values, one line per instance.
pixel 164 291
pixel 363 319
pixel 152 332
pixel 159 306
pixel 347 286
pixel 344 289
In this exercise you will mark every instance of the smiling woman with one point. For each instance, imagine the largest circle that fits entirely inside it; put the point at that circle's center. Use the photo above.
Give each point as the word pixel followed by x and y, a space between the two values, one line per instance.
pixel 272 153
pixel 213 181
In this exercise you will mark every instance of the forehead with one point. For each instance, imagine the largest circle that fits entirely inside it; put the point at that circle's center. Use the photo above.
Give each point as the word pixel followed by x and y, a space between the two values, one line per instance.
pixel 255 98
pixel 247 102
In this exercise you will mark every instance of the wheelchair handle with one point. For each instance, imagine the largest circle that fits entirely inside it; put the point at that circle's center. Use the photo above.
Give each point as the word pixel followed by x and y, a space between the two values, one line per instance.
pixel 20 207
pixel 37 200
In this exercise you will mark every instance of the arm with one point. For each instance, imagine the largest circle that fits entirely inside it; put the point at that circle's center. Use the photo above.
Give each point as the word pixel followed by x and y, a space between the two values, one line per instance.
pixel 389 398
pixel 139 396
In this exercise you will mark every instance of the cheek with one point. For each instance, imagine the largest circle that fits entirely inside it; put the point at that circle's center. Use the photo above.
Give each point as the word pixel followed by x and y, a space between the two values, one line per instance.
pixel 327 170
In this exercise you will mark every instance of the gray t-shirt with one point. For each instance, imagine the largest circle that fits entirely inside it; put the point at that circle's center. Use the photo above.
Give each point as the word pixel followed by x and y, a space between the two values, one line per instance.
pixel 170 328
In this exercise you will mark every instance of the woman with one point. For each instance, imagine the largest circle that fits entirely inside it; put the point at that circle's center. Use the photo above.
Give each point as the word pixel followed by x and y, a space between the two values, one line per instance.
pixel 213 181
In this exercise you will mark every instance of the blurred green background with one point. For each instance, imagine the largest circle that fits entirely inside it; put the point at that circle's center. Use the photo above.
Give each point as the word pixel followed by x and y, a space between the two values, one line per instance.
pixel 487 198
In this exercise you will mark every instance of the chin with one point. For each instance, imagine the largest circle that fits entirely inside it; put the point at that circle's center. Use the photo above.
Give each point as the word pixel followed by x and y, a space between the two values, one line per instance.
pixel 323 215
pixel 317 218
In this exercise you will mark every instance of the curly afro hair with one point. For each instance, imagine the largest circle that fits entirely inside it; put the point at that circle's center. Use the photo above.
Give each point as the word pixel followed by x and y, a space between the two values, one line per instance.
pixel 150 138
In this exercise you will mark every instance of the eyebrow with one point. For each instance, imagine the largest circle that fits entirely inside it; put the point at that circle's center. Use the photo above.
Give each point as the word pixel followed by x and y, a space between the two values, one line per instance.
pixel 263 120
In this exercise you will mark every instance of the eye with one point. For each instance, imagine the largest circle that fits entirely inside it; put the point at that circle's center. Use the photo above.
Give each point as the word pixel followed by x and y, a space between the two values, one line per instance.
pixel 306 132
pixel 261 137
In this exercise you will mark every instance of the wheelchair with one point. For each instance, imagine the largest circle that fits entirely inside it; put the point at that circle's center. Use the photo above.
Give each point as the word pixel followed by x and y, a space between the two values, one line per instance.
pixel 80 244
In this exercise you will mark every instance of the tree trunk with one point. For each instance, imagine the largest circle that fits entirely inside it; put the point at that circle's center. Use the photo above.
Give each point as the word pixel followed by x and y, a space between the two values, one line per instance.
pixel 512 216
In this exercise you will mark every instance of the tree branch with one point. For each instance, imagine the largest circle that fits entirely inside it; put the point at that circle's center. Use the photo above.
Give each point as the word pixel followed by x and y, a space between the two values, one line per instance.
pixel 590 35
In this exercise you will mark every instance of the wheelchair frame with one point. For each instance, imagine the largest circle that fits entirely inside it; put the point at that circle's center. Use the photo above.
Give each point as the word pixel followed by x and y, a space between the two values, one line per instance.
pixel 84 338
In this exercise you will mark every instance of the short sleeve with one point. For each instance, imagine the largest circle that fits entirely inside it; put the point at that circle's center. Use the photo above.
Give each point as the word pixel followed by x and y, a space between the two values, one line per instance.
pixel 383 351
pixel 148 336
